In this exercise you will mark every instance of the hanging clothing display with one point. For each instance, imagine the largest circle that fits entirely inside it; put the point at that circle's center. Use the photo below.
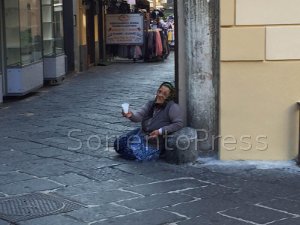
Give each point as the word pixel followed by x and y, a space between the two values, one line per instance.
pixel 151 44
pixel 156 47
pixel 126 51
pixel 158 44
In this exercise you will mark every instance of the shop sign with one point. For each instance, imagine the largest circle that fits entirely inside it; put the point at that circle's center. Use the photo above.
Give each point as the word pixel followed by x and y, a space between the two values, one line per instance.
pixel 124 29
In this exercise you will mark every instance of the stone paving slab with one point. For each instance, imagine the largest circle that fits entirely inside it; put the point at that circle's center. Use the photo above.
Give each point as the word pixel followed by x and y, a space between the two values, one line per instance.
pixel 98 153
pixel 4 167
pixel 48 152
pixel 93 164
pixel 255 214
pixel 98 213
pixel 209 191
pixel 90 187
pixel 20 136
pixel 27 145
pixel 53 220
pixel 146 168
pixel 6 141
pixel 222 179
pixel 216 220
pixel 13 156
pixel 247 196
pixel 106 173
pixel 103 117
pixel 69 179
pixel 152 217
pixel 28 186
pixel 132 180
pixel 59 141
pixel 166 175
pixel 104 197
pixel 295 197
pixel 155 201
pixel 13 177
pixel 259 192
pixel 2 222
pixel 167 186
pixel 205 207
pixel 90 123
pixel 43 134
pixel 45 167
pixel 75 157
pixel 67 144
pixel 196 220
pixel 277 190
pixel 289 206
pixel 292 221
pixel 271 176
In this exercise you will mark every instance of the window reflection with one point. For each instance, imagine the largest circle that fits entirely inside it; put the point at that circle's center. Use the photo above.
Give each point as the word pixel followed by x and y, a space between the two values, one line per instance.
pixel 58 26
pixel 23 31
pixel 53 35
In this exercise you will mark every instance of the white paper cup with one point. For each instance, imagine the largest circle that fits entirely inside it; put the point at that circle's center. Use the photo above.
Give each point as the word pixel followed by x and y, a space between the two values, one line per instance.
pixel 125 107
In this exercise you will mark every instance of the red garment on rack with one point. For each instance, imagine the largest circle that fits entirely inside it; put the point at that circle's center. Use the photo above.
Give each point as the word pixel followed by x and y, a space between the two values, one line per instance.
pixel 158 45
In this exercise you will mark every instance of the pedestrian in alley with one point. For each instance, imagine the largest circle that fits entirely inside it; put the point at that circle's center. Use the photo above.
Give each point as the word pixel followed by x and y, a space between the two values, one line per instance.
pixel 158 117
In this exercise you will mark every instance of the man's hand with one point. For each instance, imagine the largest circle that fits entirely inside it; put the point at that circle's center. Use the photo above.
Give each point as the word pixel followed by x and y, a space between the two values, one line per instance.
pixel 127 115
pixel 154 134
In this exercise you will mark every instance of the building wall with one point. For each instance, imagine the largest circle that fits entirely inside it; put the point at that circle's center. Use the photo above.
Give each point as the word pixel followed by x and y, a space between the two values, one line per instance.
pixel 1 54
pixel 259 80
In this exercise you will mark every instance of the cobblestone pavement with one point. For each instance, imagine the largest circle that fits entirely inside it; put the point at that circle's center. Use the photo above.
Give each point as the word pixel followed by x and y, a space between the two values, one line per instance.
pixel 53 146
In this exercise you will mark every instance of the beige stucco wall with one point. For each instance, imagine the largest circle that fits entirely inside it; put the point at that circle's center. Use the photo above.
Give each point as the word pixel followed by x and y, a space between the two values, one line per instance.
pixel 262 12
pixel 227 10
pixel 260 79
pixel 246 43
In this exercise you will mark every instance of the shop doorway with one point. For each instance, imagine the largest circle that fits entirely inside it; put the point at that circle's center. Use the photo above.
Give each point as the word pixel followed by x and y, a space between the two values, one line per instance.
pixel 138 31
pixel 68 19
pixel 90 35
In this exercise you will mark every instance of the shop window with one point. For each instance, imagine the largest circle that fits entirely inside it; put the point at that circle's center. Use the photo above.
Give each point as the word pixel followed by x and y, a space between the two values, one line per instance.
pixel 58 26
pixel 23 31
pixel 53 27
